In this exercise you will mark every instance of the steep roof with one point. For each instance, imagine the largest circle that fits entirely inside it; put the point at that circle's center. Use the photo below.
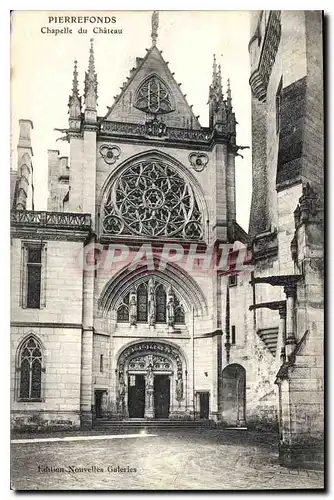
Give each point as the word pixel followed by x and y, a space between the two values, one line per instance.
pixel 124 108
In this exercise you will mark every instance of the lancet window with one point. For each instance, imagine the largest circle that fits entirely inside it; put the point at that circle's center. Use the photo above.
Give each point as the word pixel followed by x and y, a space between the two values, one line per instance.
pixel 151 302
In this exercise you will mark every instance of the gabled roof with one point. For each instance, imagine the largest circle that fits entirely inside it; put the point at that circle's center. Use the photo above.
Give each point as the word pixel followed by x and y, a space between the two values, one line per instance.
pixel 123 109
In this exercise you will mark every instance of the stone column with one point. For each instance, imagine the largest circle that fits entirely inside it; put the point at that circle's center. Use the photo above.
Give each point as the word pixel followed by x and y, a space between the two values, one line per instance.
pixel 290 292
pixel 282 332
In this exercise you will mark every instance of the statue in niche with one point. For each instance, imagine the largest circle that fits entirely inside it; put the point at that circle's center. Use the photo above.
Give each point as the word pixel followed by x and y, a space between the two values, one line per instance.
pixel 151 302
pixel 150 376
pixel 121 391
pixel 170 308
pixel 133 307
pixel 149 384
pixel 179 389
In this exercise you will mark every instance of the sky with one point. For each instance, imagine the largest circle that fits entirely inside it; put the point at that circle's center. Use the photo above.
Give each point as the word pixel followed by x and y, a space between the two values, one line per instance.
pixel 42 72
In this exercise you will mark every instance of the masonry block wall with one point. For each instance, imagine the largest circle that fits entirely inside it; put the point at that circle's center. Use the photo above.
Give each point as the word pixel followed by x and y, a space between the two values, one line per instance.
pixel 57 326
pixel 291 91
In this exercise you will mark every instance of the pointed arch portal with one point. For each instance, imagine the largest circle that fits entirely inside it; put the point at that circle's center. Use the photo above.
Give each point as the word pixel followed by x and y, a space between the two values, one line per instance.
pixel 150 380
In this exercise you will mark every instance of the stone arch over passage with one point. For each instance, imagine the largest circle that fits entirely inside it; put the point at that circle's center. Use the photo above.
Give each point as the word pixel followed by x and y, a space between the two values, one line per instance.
pixel 234 395
pixel 151 381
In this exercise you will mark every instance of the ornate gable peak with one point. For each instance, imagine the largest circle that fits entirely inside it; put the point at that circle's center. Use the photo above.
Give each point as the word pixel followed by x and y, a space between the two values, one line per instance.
pixel 152 64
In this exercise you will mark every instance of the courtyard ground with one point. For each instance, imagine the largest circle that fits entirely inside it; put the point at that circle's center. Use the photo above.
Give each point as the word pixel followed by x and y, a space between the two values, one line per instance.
pixel 157 460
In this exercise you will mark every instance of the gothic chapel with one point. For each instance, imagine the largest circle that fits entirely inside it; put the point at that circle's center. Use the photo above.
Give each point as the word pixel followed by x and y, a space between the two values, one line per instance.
pixel 132 341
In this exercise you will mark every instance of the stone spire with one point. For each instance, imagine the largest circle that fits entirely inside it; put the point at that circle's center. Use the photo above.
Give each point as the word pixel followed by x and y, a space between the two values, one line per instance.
pixel 90 83
pixel 215 92
pixel 214 71
pixel 155 26
pixel 74 102
pixel 229 94
pixel 75 80
pixel 219 80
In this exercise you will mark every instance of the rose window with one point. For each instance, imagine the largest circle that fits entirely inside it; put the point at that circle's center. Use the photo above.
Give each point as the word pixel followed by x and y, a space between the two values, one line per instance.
pixel 151 199
pixel 153 97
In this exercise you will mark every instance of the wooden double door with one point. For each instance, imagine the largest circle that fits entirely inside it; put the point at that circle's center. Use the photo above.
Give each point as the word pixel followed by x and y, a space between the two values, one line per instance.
pixel 136 396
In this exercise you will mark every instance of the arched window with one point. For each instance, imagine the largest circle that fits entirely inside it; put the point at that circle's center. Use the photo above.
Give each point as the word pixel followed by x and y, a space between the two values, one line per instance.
pixel 142 313
pixel 160 301
pixel 30 368
pixel 123 311
pixel 179 312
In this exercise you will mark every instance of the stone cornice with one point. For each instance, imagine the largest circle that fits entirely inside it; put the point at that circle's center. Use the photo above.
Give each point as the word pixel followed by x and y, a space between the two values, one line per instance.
pixel 148 133
pixel 36 324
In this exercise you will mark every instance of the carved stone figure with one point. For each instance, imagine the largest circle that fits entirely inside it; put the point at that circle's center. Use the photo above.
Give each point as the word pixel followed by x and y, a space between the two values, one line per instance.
pixel 179 389
pixel 149 378
pixel 151 302
pixel 121 392
pixel 170 308
pixel 133 307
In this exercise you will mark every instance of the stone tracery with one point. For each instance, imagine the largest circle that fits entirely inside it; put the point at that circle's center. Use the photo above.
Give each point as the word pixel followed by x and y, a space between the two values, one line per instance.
pixel 153 96
pixel 151 199
pixel 151 302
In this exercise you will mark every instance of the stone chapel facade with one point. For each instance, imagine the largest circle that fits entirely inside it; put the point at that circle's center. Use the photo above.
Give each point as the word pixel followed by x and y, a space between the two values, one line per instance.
pixel 99 337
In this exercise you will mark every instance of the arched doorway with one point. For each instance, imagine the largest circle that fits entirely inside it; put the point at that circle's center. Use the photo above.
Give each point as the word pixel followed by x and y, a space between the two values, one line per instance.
pixel 234 395
pixel 150 381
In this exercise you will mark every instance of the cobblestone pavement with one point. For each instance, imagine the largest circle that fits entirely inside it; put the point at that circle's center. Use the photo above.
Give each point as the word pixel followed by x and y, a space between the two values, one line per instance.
pixel 169 460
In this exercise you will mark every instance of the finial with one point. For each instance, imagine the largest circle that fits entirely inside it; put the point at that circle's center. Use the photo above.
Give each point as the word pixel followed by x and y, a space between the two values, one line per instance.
pixel 214 69
pixel 75 80
pixel 219 78
pixel 229 95
pixel 155 26
pixel 91 64
pixel 91 80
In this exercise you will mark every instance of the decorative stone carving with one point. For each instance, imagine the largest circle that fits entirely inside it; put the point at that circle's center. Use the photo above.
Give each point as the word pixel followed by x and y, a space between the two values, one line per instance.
pixel 139 363
pixel 264 246
pixel 151 302
pixel 51 219
pixel 170 308
pixel 260 77
pixel 198 161
pixel 121 392
pixel 133 307
pixel 120 129
pixel 155 128
pixel 154 348
pixel 110 153
pixel 309 205
pixel 179 389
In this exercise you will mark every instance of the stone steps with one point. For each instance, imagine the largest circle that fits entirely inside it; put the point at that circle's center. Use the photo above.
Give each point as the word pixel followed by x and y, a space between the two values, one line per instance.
pixel 269 337
pixel 137 424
